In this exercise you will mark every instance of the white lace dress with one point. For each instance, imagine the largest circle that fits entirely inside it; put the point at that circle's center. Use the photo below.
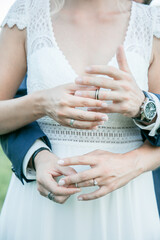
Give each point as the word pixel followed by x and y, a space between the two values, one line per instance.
pixel 130 213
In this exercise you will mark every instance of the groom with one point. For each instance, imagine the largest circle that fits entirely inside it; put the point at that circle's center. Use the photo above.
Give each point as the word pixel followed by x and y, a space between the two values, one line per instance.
pixel 20 145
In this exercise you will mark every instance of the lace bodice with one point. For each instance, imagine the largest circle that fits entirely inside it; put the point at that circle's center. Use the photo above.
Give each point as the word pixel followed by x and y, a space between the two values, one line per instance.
pixel 48 67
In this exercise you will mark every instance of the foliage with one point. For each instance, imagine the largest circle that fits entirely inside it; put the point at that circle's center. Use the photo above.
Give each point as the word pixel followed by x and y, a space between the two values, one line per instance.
pixel 5 175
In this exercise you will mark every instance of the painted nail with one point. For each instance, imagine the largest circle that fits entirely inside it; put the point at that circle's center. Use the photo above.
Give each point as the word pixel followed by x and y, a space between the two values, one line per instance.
pixel 104 105
pixel 79 79
pixel 61 182
pixel 80 199
pixel 88 69
pixel 60 162
pixel 78 93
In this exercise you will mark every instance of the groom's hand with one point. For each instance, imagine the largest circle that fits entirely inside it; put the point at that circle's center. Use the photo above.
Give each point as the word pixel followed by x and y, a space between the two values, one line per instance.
pixel 47 170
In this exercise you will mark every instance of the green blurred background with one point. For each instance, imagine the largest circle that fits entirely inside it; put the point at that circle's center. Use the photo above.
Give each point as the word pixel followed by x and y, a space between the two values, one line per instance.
pixel 5 175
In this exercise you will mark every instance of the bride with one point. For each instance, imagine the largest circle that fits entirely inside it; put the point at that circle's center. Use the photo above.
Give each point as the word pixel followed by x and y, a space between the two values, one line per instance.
pixel 54 43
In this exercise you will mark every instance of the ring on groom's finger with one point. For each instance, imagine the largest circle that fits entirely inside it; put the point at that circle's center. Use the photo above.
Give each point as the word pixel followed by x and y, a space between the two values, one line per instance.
pixel 76 185
pixel 97 94
pixel 51 196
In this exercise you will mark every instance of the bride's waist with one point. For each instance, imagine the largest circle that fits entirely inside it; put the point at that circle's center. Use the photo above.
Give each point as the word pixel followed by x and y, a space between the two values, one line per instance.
pixel 103 135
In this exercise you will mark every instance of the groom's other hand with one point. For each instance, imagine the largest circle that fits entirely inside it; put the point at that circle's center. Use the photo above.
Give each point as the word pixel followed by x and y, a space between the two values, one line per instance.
pixel 47 170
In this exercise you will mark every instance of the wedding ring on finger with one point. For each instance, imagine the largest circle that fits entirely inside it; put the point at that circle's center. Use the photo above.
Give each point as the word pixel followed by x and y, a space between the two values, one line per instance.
pixel 72 122
pixel 51 196
pixel 97 94
pixel 95 183
pixel 76 185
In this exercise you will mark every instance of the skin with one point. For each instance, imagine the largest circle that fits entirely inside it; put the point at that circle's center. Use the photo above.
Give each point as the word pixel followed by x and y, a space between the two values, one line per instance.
pixel 112 171
pixel 76 18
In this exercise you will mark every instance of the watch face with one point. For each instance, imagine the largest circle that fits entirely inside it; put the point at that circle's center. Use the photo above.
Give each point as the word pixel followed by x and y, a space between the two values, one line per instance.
pixel 150 110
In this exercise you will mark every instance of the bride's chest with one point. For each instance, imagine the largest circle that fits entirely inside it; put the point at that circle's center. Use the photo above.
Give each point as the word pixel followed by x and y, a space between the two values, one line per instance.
pixel 48 68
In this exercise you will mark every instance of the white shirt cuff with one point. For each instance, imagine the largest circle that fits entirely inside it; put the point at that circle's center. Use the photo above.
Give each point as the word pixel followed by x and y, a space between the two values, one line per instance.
pixel 154 126
pixel 29 173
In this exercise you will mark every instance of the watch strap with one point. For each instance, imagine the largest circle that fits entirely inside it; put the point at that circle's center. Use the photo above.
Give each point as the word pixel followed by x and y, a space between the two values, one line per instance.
pixel 35 154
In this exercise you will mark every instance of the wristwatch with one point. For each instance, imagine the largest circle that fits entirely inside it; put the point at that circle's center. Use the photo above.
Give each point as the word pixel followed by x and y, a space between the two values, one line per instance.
pixel 148 109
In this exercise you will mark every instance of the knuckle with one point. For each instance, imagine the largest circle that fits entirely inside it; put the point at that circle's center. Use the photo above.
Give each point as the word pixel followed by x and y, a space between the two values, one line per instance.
pixel 63 103
pixel 95 117
pixel 81 116
pixel 55 191
pixel 85 103
pixel 103 82
pixel 86 80
pixel 60 113
pixel 111 187
pixel 98 104
pixel 103 95
pixel 83 176
pixel 60 201
pixel 40 191
pixel 97 195
pixel 126 97
pixel 124 108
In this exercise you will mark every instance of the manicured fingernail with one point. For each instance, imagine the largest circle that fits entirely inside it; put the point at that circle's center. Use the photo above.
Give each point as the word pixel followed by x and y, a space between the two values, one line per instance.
pixel 79 79
pixel 78 93
pixel 61 182
pixel 60 162
pixel 88 69
pixel 80 199
pixel 105 119
pixel 104 105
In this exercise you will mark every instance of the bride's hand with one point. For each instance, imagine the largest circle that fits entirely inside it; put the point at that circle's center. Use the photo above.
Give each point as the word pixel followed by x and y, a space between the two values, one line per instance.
pixel 60 104
pixel 126 95
pixel 109 171
pixel 47 170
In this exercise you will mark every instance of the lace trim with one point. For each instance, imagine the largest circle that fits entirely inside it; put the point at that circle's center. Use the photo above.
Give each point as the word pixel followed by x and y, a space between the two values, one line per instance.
pixel 138 37
pixel 156 16
pixel 103 135
pixel 16 16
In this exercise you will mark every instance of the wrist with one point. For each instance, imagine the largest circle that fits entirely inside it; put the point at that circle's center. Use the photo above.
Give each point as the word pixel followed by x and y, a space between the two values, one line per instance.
pixel 136 159
pixel 148 110
pixel 141 101
pixel 35 156
pixel 39 101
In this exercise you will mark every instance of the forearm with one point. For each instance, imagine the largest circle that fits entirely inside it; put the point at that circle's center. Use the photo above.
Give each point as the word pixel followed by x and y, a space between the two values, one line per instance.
pixel 17 113
pixel 147 157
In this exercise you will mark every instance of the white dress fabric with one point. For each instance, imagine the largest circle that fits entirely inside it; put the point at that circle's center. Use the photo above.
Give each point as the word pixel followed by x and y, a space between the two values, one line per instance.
pixel 129 213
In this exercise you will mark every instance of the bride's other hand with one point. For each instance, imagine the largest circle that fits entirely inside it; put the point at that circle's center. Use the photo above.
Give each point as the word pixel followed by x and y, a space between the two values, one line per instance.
pixel 61 104
pixel 127 97
pixel 47 170
pixel 109 171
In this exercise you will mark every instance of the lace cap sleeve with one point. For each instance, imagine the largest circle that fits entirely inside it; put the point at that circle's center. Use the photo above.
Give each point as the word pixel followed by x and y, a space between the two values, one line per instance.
pixel 16 15
pixel 156 17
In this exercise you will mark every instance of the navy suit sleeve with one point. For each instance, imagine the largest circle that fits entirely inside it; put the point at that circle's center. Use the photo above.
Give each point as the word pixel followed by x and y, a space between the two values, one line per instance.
pixel 16 144
pixel 156 139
